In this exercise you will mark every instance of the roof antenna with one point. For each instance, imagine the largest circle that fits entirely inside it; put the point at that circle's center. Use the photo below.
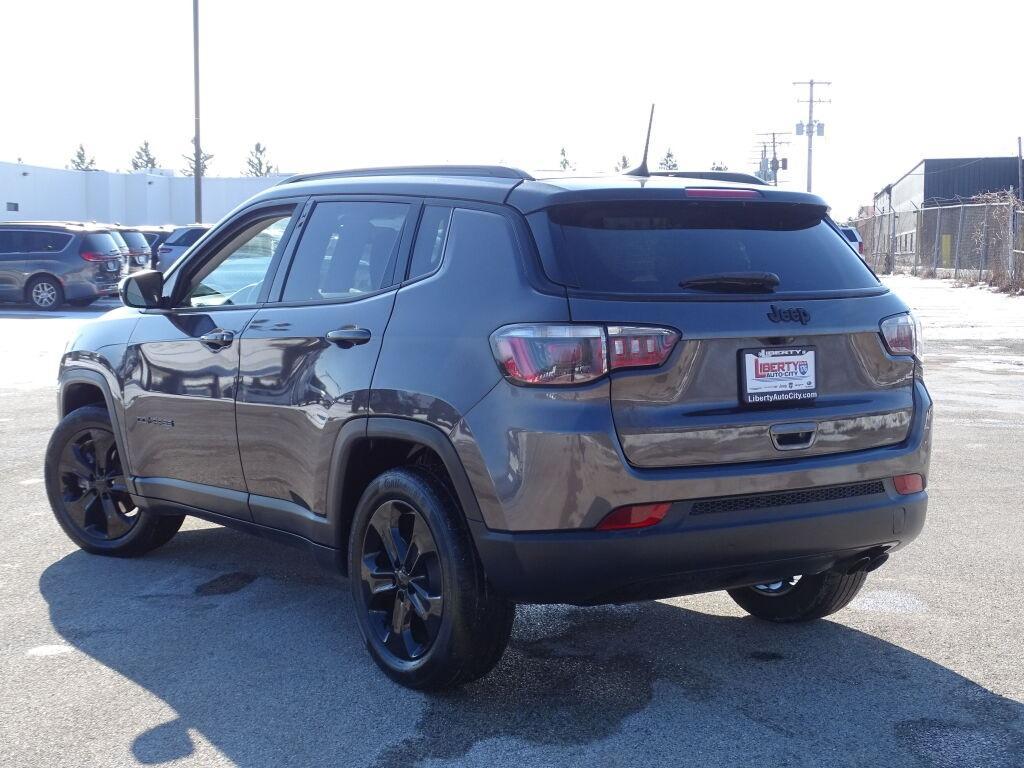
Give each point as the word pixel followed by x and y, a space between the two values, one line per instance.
pixel 641 170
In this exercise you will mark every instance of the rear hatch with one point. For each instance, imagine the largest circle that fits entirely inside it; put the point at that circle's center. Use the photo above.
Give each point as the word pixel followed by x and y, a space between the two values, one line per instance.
pixel 780 353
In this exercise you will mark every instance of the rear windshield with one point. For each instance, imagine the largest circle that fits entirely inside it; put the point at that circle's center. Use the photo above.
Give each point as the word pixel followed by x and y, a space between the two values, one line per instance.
pixel 136 240
pixel 119 240
pixel 185 237
pixel 100 242
pixel 651 246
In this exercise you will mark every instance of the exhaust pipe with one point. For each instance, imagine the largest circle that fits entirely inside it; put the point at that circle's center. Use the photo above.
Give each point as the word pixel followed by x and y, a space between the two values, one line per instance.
pixel 866 562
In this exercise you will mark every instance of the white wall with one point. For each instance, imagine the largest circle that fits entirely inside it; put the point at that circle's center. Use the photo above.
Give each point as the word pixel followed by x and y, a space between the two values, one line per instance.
pixel 127 198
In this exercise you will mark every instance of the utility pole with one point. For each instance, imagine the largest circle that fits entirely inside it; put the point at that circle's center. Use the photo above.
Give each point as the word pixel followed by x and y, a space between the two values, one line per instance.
pixel 1020 172
pixel 198 175
pixel 776 163
pixel 812 126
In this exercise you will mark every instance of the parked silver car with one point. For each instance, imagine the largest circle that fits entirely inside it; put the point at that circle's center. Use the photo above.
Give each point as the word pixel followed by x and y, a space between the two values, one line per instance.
pixel 48 264
pixel 180 240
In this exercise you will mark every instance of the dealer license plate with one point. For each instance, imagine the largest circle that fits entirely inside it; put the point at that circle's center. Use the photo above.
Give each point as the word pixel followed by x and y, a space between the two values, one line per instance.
pixel 775 375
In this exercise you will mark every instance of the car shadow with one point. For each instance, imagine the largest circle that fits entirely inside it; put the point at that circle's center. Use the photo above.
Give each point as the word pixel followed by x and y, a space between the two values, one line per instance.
pixel 254 648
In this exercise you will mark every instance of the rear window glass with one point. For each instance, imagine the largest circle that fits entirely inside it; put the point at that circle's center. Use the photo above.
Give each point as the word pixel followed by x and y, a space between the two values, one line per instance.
pixel 119 240
pixel 652 246
pixel 99 242
pixel 136 240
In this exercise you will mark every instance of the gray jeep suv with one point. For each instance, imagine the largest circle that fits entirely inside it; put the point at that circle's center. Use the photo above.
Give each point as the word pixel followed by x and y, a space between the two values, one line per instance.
pixel 49 263
pixel 468 388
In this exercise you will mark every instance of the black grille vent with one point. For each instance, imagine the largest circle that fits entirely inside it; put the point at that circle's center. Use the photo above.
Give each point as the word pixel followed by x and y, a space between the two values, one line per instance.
pixel 787 498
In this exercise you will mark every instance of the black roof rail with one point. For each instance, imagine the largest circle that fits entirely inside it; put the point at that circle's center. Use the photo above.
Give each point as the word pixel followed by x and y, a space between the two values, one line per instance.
pixel 491 171
pixel 742 178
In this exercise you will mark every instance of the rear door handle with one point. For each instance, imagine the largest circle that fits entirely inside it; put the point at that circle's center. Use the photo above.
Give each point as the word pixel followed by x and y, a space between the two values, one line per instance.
pixel 217 339
pixel 349 336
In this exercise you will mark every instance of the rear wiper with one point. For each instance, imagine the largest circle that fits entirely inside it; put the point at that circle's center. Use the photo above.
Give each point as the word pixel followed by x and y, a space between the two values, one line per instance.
pixel 739 282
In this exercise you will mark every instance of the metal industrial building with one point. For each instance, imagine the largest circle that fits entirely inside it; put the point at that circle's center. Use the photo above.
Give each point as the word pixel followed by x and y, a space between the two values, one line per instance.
pixel 947 181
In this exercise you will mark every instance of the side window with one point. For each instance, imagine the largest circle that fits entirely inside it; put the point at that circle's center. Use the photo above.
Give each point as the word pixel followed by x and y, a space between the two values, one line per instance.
pixel 430 240
pixel 47 242
pixel 235 273
pixel 346 250
pixel 7 242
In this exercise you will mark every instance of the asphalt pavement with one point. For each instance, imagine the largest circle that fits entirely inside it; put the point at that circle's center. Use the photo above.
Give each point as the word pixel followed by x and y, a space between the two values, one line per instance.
pixel 223 649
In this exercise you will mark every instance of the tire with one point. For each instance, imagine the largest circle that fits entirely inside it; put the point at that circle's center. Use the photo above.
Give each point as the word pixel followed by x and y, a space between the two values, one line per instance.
pixel 86 487
pixel 454 628
pixel 82 302
pixel 812 597
pixel 45 293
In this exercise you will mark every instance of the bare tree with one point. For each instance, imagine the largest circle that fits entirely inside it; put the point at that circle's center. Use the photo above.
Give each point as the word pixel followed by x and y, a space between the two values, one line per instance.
pixel 668 162
pixel 257 164
pixel 190 162
pixel 82 162
pixel 143 158
pixel 564 163
pixel 623 164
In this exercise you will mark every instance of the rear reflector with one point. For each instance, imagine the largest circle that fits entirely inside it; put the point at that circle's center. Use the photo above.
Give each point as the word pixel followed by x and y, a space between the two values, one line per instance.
pixel 635 516
pixel 906 484
pixel 723 194
pixel 552 354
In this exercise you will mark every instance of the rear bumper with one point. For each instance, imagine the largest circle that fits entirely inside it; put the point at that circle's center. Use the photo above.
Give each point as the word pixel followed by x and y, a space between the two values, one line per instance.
pixel 689 553
pixel 88 289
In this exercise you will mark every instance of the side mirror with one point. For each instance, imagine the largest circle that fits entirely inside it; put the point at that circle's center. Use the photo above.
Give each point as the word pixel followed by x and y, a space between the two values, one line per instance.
pixel 143 289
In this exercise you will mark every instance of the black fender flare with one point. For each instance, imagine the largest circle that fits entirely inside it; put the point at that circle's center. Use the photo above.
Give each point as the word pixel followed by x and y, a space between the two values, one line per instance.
pixel 363 428
pixel 70 376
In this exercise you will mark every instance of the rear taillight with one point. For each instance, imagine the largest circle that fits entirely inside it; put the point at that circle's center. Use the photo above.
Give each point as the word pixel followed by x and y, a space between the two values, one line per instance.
pixel 902 334
pixel 550 354
pixel 638 346
pixel 93 256
pixel 546 354
pixel 635 516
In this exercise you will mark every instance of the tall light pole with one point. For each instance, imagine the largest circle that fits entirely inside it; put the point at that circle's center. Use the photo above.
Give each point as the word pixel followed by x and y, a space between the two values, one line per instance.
pixel 198 174
pixel 812 126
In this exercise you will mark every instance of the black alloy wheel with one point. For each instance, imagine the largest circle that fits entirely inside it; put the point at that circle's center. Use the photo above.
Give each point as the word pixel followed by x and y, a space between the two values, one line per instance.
pixel 402 580
pixel 93 489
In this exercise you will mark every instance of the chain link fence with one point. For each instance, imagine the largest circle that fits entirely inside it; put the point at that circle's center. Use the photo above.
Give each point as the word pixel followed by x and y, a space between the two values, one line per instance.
pixel 978 241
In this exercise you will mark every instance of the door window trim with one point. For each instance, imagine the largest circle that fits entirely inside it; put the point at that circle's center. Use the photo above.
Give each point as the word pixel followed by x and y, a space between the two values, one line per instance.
pixel 401 256
pixel 222 235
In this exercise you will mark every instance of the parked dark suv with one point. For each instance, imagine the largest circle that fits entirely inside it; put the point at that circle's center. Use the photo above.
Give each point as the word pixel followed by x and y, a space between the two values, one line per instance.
pixel 468 388
pixel 49 263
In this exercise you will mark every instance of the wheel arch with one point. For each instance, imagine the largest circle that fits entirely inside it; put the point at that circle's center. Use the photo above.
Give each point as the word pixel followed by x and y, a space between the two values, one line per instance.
pixel 79 388
pixel 365 447
pixel 35 276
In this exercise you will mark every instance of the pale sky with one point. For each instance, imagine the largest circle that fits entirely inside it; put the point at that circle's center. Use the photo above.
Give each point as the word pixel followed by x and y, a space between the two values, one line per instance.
pixel 342 84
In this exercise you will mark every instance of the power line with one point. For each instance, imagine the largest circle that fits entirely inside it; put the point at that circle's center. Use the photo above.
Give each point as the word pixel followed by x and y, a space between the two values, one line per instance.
pixel 813 126
pixel 770 167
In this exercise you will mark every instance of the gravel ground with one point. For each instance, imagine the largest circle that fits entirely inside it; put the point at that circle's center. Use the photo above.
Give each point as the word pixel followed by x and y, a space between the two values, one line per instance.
pixel 221 649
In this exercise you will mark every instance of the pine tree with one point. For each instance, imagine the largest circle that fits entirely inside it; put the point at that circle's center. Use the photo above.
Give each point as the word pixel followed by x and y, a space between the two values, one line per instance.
pixel 668 162
pixel 81 162
pixel 622 165
pixel 190 160
pixel 143 158
pixel 257 163
pixel 564 163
